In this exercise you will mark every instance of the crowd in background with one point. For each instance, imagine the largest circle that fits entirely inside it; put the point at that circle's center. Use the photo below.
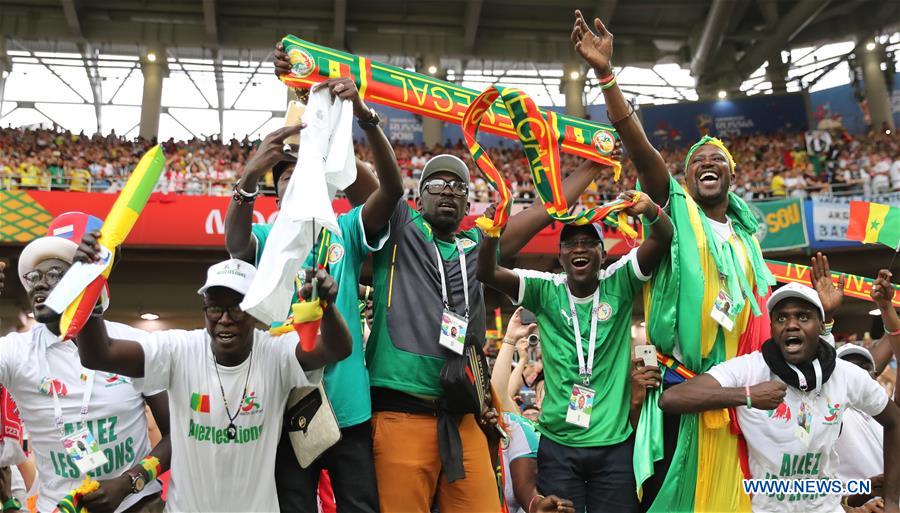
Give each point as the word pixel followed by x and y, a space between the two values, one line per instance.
pixel 767 166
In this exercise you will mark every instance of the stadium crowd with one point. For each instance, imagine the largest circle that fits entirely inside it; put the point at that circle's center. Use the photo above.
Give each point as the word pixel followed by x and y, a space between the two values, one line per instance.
pixel 399 410
pixel 768 166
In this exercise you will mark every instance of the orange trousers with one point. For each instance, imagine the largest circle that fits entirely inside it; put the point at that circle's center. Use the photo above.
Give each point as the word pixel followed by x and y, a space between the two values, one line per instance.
pixel 408 466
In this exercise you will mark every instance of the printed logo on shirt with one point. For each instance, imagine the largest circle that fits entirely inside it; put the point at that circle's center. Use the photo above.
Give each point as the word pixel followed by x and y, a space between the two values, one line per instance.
pixel 565 314
pixel 783 412
pixel 47 383
pixel 251 405
pixel 115 379
pixel 200 402
pixel 335 253
pixel 604 311
pixel 219 436
pixel 465 243
pixel 834 414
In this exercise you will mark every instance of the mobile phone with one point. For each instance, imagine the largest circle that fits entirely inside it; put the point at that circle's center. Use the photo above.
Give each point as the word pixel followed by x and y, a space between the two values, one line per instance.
pixel 292 117
pixel 527 317
pixel 648 354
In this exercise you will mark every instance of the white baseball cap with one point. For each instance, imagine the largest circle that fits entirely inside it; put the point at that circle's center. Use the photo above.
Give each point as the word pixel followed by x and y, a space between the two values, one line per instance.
pixel 234 274
pixel 848 349
pixel 798 291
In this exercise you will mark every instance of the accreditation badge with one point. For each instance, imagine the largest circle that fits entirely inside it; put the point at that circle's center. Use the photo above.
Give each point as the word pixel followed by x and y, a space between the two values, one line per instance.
pixel 84 450
pixel 453 331
pixel 581 404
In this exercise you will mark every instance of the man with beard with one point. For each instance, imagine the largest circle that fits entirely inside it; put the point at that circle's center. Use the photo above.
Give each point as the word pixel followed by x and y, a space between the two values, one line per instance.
pixel 791 397
pixel 49 384
pixel 699 304
pixel 349 462
pixel 425 283
pixel 584 315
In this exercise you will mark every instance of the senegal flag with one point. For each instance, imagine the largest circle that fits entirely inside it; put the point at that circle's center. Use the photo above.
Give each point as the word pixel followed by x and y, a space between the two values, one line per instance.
pixel 872 223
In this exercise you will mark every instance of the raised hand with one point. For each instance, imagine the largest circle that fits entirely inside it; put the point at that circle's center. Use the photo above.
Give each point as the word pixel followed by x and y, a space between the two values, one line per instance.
pixel 515 330
pixel 882 290
pixel 327 287
pixel 280 60
pixel 767 395
pixel 2 276
pixel 644 204
pixel 345 89
pixel 830 295
pixel 89 250
pixel 271 150
pixel 595 49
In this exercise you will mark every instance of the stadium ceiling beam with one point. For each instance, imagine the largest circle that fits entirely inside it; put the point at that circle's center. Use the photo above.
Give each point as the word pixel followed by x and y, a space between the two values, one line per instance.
pixel 210 22
pixel 712 35
pixel 470 31
pixel 72 11
pixel 788 26
pixel 340 24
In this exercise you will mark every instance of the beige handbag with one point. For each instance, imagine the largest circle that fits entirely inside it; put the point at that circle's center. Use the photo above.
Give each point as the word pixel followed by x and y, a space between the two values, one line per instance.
pixel 311 423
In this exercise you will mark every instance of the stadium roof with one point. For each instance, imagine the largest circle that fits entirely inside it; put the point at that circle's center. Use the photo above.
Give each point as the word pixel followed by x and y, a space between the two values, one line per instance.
pixel 720 40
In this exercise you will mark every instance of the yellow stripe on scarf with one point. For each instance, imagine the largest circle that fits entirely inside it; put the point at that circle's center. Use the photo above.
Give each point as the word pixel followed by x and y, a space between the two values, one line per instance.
pixel 718 464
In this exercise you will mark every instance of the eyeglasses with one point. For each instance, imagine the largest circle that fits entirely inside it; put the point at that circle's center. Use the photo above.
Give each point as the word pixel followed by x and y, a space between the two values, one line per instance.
pixel 214 313
pixel 52 276
pixel 584 243
pixel 437 186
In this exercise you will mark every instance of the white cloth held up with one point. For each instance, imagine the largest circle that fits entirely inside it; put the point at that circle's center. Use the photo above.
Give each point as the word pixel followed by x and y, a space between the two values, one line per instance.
pixel 325 164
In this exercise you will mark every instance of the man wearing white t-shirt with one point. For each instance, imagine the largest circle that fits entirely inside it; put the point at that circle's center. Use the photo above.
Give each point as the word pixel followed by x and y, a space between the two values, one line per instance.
pixel 228 385
pixel 790 398
pixel 44 375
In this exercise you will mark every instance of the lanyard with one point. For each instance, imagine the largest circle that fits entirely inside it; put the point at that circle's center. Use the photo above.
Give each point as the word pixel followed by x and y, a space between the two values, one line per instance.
pixel 465 276
pixel 57 407
pixel 585 369
pixel 817 368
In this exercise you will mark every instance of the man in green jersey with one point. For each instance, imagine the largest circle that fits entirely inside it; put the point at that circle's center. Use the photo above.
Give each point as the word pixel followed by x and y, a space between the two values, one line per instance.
pixel 584 316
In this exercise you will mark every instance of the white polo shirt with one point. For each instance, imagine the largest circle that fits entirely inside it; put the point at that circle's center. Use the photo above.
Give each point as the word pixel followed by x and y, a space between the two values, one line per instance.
pixel 29 362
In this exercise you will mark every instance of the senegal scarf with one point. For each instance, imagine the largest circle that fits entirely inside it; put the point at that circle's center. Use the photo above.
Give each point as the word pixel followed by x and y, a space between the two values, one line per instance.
pixel 541 138
pixel 677 303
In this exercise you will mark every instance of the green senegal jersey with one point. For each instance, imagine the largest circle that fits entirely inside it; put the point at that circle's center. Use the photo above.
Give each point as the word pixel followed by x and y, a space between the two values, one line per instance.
pixel 347 381
pixel 546 295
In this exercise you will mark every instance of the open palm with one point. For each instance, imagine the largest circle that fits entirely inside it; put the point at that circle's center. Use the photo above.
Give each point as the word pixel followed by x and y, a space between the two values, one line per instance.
pixel 830 295
pixel 595 49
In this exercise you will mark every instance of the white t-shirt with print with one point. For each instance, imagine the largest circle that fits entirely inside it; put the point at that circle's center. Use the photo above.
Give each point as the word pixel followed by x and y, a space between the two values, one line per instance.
pixel 210 472
pixel 860 446
pixel 115 413
pixel 775 450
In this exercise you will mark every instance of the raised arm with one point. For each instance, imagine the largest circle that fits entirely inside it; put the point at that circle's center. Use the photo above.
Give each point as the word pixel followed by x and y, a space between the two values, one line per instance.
pixel 596 50
pixel 883 295
pixel 526 224
pixel 380 204
pixel 95 347
pixel 515 332
pixel 238 220
pixel 334 342
pixel 657 236
pixel 491 273
pixel 704 393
